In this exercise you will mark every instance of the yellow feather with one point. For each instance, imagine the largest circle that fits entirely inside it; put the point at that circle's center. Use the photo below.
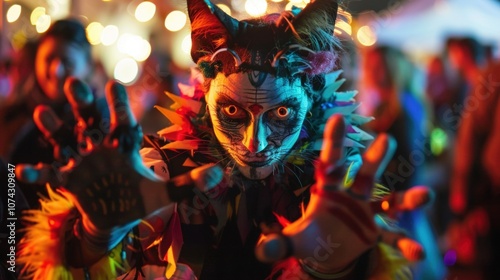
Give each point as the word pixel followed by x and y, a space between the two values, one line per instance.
pixel 172 116
pixel 179 102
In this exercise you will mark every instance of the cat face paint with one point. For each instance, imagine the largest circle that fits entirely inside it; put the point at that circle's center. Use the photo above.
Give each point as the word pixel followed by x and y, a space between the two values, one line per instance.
pixel 256 123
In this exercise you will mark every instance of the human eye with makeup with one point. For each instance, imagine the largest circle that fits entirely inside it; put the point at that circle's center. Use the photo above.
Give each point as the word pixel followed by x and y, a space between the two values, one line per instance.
pixel 286 115
pixel 282 112
pixel 232 114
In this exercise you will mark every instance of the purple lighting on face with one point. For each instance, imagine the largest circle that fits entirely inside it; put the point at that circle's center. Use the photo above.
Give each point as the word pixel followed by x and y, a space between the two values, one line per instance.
pixel 450 258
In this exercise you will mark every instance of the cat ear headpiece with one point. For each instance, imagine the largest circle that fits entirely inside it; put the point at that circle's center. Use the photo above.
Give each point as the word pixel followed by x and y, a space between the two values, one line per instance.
pixel 287 45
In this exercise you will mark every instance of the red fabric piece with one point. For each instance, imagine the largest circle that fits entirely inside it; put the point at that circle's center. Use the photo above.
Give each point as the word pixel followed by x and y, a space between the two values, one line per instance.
pixel 172 237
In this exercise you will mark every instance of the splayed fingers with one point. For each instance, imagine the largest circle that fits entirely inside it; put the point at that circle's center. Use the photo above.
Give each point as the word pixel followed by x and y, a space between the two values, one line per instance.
pixel 375 160
pixel 103 173
pixel 335 215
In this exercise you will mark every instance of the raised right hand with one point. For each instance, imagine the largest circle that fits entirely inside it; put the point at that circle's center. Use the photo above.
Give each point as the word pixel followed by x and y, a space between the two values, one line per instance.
pixel 105 178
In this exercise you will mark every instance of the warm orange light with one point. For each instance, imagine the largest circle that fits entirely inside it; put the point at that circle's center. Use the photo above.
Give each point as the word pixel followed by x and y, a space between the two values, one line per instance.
pixel 385 205
pixel 13 13
pixel 145 11
pixel 175 21
pixel 366 36
pixel 225 8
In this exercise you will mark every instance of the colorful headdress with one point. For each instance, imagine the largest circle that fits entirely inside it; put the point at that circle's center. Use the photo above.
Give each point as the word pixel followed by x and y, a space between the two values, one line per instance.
pixel 299 44
pixel 294 44
pixel 288 44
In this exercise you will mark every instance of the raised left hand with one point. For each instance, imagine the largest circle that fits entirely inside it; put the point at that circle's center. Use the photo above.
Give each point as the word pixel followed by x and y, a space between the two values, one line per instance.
pixel 338 225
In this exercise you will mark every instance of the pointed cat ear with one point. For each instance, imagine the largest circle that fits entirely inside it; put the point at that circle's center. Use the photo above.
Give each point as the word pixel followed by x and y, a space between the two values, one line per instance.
pixel 316 19
pixel 211 27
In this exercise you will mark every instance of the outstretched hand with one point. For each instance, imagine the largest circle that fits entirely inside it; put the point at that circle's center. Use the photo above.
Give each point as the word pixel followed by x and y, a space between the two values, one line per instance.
pixel 103 175
pixel 338 225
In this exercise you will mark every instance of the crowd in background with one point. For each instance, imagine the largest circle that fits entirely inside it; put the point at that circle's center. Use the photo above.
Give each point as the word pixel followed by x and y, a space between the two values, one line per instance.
pixel 442 111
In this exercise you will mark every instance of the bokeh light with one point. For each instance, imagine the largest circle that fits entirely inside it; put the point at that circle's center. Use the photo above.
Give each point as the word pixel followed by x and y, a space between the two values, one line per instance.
pixel 186 44
pixel 141 50
pixel 225 8
pixel 126 70
pixel 342 26
pixel 145 11
pixel 175 21
pixel 94 32
pixel 256 8
pixel 43 23
pixel 109 35
pixel 134 46
pixel 439 141
pixel 13 13
pixel 36 14
pixel 57 9
pixel 238 5
pixel 385 205
pixel 126 41
pixel 366 36
pixel 181 48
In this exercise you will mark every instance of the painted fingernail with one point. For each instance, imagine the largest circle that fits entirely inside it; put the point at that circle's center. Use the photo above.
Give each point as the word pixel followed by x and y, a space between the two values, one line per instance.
pixel 78 92
pixel 117 98
pixel 116 92
pixel 46 119
pixel 378 149
pixel 275 247
pixel 29 174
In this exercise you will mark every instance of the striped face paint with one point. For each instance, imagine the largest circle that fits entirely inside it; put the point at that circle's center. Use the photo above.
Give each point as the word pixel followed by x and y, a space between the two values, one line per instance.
pixel 257 124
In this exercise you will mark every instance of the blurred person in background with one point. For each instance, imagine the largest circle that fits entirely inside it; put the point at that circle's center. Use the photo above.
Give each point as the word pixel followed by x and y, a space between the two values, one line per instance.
pixel 474 197
pixel 466 57
pixel 438 87
pixel 62 51
pixel 389 93
pixel 449 79
pixel 439 93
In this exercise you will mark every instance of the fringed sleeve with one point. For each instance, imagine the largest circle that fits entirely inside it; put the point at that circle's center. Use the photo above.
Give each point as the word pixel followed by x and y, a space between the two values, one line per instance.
pixel 42 254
